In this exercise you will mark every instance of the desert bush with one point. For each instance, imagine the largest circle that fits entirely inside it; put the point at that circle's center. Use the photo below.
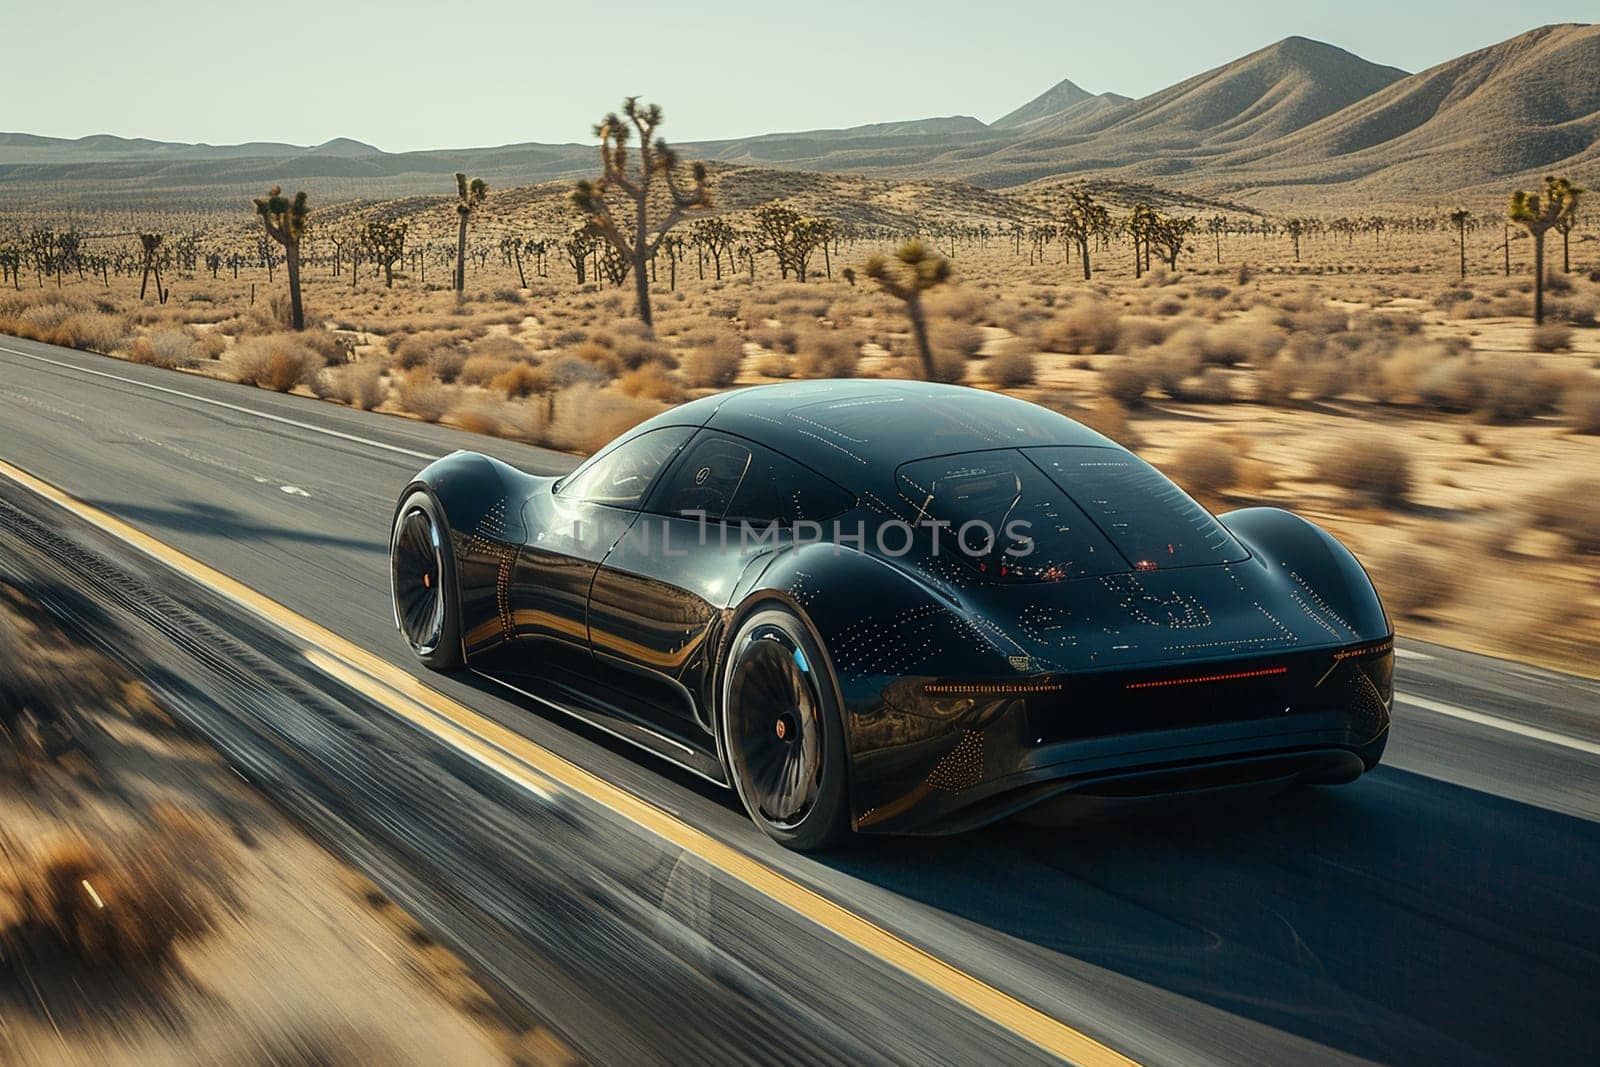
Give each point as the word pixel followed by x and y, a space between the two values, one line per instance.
pixel 1205 468
pixel 1275 383
pixel 1232 343
pixel 776 365
pixel 1411 584
pixel 424 395
pixel 601 356
pixel 276 361
pixel 1212 385
pixel 477 418
pixel 1013 365
pixel 1125 381
pixel 1550 337
pixel 519 380
pixel 500 346
pixel 777 338
pixel 360 385
pixel 827 353
pixel 634 352
pixel 1374 470
pixel 416 349
pixel 651 381
pixel 91 331
pixel 1571 510
pixel 1089 326
pixel 125 909
pixel 958 304
pixel 715 364
pixel 585 417
pixel 957 340
pixel 570 370
pixel 1581 406
pixel 166 348
pixel 1135 332
pixel 483 369
pixel 446 364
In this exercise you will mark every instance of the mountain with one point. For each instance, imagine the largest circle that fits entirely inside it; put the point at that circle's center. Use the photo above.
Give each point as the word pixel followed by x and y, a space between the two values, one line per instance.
pixel 1514 109
pixel 1258 98
pixel 1296 119
pixel 1054 100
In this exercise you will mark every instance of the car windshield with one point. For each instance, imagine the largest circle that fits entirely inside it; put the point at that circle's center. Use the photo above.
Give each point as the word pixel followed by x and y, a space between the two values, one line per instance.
pixel 1152 522
pixel 1001 514
pixel 1044 514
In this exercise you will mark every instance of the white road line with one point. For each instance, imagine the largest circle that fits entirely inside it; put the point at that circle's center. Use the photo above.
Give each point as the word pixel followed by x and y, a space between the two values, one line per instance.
pixel 1406 653
pixel 1577 744
pixel 430 456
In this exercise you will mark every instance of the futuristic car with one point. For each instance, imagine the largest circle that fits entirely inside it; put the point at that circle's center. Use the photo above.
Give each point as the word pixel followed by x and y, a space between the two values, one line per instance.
pixel 901 607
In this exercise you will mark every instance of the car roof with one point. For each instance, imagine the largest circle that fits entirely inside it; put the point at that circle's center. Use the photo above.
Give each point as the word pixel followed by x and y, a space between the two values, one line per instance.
pixel 852 428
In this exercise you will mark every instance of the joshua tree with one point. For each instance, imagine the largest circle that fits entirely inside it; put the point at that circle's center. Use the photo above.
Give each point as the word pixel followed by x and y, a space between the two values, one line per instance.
pixel 285 222
pixel 1295 228
pixel 151 242
pixel 635 184
pixel 1216 225
pixel 1083 222
pixel 1565 224
pixel 1462 218
pixel 1168 233
pixel 1537 213
pixel 469 195
pixel 384 243
pixel 913 272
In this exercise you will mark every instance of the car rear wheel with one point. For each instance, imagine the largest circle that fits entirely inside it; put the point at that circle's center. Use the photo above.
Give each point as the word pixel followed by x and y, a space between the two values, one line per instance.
pixel 423 581
pixel 782 732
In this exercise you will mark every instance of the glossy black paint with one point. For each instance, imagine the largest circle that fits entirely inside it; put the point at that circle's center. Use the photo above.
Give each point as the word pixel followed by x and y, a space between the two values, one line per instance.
pixel 963 698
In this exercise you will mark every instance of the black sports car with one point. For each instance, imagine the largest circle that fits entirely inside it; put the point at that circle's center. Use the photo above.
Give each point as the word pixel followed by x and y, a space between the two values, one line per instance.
pixel 901 607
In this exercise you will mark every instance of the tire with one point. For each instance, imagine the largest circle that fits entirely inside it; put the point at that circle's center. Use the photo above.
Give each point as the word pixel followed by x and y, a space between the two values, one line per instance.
pixel 422 583
pixel 782 733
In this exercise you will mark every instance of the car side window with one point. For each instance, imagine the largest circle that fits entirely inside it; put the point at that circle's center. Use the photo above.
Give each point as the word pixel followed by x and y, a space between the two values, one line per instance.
pixel 729 478
pixel 622 476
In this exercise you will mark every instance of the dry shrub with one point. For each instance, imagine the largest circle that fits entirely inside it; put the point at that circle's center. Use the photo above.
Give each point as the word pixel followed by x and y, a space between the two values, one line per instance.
pixel 477 418
pixel 91 331
pixel 1374 470
pixel 521 380
pixel 124 910
pixel 1581 405
pixel 1205 468
pixel 1502 389
pixel 1550 337
pixel 957 305
pixel 1135 332
pixel 501 346
pixel 1012 366
pixel 1412 584
pixel 166 348
pixel 599 355
pixel 360 385
pixel 571 370
pixel 827 353
pixel 634 352
pixel 277 361
pixel 446 364
pixel 585 417
pixel 1212 385
pixel 1571 510
pixel 776 365
pixel 949 367
pixel 424 396
pixel 1125 381
pixel 419 348
pixel 652 381
pixel 1090 325
pixel 777 338
pixel 716 364
pixel 1245 341
pixel 483 368
pixel 1275 383
pixel 956 340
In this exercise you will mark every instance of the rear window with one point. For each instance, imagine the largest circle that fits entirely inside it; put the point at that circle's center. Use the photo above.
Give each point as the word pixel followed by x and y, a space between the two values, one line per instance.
pixel 1152 522
pixel 1001 514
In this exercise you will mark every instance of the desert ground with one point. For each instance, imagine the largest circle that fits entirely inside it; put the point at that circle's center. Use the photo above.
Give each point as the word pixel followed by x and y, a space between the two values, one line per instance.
pixel 1348 371
pixel 154 908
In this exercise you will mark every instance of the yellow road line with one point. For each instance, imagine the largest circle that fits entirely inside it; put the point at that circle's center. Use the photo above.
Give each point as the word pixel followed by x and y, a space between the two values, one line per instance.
pixel 536 767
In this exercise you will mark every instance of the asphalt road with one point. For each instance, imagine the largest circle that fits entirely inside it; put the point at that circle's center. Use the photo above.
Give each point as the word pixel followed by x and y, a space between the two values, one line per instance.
pixel 1445 908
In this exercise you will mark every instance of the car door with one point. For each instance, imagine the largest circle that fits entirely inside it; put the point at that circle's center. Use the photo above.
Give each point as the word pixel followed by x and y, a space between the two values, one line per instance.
pixel 660 597
pixel 570 529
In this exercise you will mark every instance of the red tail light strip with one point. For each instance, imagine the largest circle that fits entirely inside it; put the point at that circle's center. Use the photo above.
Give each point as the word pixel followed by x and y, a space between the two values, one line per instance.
pixel 1381 646
pixel 1199 678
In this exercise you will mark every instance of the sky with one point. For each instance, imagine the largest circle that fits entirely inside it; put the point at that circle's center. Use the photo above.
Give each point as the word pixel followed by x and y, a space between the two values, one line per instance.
pixel 407 75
